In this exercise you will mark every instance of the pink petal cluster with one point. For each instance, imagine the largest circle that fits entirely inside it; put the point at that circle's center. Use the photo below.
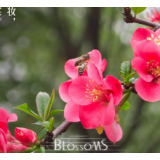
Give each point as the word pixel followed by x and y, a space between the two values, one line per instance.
pixel 8 144
pixel 146 61
pixel 96 58
pixel 154 16
pixel 91 99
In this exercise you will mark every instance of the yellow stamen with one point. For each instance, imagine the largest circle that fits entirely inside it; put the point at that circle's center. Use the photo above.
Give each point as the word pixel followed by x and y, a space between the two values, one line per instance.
pixel 156 40
pixel 149 38
pixel 99 130
pixel 152 35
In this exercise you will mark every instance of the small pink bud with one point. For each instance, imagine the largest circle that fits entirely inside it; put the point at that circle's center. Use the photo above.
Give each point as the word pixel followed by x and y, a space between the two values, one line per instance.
pixel 26 136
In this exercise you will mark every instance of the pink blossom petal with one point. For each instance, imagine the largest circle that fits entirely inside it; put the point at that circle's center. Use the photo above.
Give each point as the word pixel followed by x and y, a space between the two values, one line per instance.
pixel 103 65
pixel 10 138
pixel 139 35
pixel 148 50
pixel 97 114
pixel 149 91
pixel 114 132
pixel 70 69
pixel 3 142
pixel 4 115
pixel 3 126
pixel 71 112
pixel 63 91
pixel 94 73
pixel 77 90
pixel 141 67
pixel 114 85
pixel 89 115
pixel 157 31
pixel 142 34
pixel 96 57
pixel 107 113
pixel 12 117
pixel 15 148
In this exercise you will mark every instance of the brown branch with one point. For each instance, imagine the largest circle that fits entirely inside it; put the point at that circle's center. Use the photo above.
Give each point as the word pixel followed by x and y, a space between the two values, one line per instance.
pixel 62 128
pixel 128 18
pixel 50 136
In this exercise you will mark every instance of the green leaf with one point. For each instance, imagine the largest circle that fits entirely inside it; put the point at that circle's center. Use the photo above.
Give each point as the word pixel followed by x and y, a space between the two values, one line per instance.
pixel 46 125
pixel 128 78
pixel 49 106
pixel 138 10
pixel 51 123
pixel 53 112
pixel 38 123
pixel 25 108
pixel 131 80
pixel 125 69
pixel 40 150
pixel 42 134
pixel 125 106
pixel 42 100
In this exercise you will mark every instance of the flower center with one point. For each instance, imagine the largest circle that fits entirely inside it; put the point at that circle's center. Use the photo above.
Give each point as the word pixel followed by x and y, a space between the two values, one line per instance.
pixel 153 68
pixel 99 129
pixel 155 39
pixel 96 92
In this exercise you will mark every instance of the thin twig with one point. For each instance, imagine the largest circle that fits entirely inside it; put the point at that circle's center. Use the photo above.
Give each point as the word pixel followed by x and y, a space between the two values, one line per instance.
pixel 62 128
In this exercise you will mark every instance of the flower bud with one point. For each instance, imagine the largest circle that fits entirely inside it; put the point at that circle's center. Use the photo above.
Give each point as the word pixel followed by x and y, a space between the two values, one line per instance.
pixel 26 136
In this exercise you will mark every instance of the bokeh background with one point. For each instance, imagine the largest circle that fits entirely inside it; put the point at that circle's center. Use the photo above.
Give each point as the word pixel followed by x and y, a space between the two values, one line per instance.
pixel 34 49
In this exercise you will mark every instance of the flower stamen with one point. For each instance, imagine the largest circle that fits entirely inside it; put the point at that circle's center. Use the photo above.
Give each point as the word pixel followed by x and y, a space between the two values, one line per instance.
pixel 156 40
pixel 153 68
pixel 99 129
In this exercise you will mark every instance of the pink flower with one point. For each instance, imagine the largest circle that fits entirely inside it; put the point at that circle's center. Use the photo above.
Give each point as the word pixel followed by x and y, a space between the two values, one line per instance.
pixel 91 100
pixel 154 16
pixel 26 136
pixel 8 144
pixel 72 72
pixel 147 65
pixel 143 35
pixel 5 117
pixel 95 57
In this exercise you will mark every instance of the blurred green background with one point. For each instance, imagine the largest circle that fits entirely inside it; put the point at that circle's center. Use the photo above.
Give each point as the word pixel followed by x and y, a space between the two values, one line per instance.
pixel 34 49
